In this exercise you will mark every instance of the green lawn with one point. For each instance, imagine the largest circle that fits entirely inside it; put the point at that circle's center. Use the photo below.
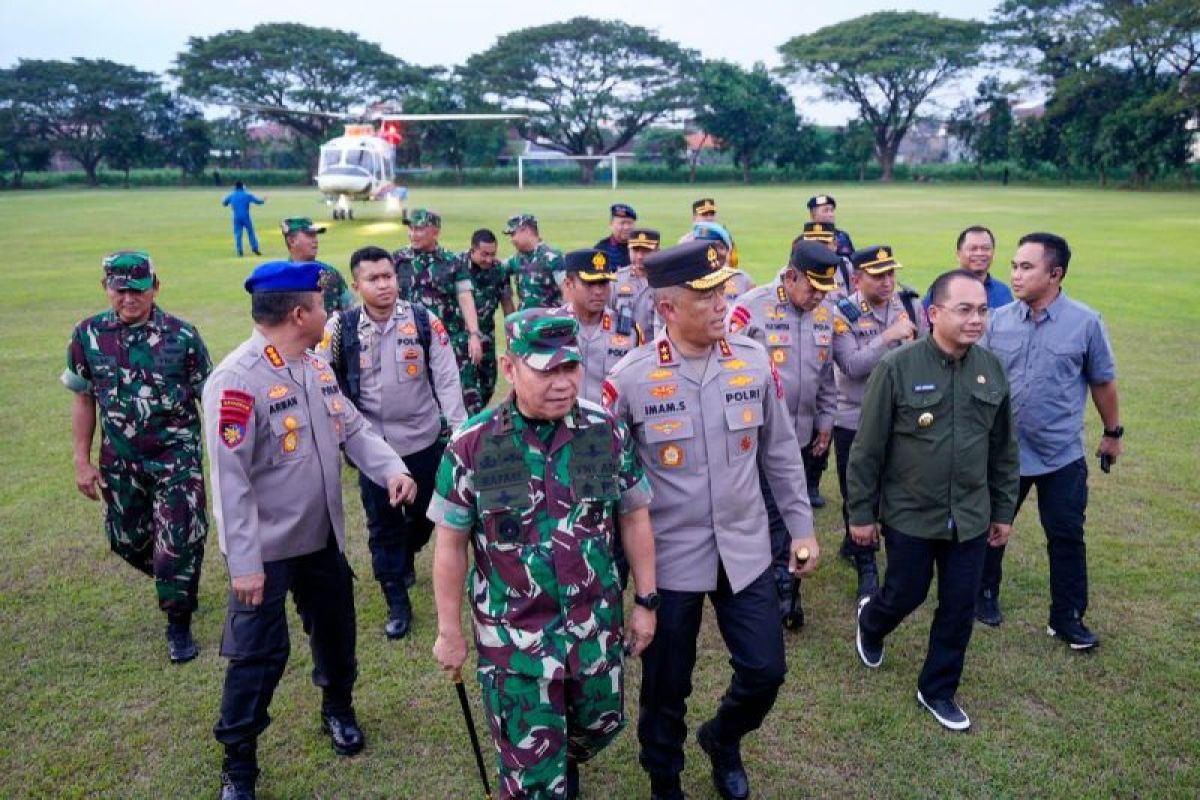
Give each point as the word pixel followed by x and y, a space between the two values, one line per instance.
pixel 94 709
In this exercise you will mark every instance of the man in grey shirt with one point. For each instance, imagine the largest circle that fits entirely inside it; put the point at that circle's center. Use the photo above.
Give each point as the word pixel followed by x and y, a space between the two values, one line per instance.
pixel 275 424
pixel 1055 350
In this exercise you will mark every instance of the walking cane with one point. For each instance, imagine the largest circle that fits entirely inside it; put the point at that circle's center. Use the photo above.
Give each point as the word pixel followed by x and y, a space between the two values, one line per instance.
pixel 466 709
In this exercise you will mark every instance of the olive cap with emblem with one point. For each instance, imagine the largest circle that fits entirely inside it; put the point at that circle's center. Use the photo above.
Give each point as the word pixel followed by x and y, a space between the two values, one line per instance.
pixel 821 200
pixel 875 260
pixel 818 232
pixel 423 217
pixel 644 239
pixel 541 338
pixel 816 263
pixel 622 210
pixel 128 270
pixel 520 221
pixel 300 225
pixel 695 264
pixel 285 276
pixel 705 205
pixel 590 265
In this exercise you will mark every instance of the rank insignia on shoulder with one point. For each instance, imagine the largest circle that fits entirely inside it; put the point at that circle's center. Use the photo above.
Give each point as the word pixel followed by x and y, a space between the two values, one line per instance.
pixel 273 357
pixel 781 293
pixel 665 356
pixel 726 350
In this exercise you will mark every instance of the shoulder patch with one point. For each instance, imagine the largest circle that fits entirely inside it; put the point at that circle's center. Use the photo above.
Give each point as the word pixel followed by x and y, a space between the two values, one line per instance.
pixel 739 318
pixel 437 327
pixel 234 415
pixel 608 394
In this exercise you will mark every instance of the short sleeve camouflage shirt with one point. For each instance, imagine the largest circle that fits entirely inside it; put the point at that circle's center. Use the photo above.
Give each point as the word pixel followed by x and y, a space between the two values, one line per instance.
pixel 534 273
pixel 433 278
pixel 490 286
pixel 544 589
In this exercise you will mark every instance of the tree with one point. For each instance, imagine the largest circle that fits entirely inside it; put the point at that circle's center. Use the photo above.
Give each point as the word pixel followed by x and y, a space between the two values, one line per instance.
pixel 23 146
pixel 589 86
pixel 853 146
pixel 74 103
pixel 983 124
pixel 304 78
pixel 124 144
pixel 887 64
pixel 664 144
pixel 746 111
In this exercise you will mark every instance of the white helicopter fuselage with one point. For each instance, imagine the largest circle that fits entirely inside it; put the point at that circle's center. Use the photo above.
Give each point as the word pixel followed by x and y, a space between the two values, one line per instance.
pixel 356 167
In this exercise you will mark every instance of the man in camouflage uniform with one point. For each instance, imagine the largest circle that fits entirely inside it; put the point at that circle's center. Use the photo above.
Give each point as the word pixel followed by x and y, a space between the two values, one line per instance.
pixel 492 290
pixel 866 325
pixel 616 245
pixel 536 266
pixel 144 369
pixel 631 297
pixel 707 414
pixel 533 486
pixel 790 318
pixel 716 234
pixel 823 208
pixel 431 275
pixel 300 236
pixel 276 425
pixel 587 289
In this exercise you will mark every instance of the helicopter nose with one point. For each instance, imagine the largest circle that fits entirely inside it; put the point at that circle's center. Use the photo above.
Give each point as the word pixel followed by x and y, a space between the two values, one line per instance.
pixel 344 184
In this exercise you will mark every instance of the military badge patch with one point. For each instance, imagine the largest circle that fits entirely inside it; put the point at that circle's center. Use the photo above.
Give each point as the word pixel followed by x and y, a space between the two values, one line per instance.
pixel 412 369
pixel 737 363
pixel 411 354
pixel 660 374
pixel 232 434
pixel 670 455
pixel 273 357
pixel 277 391
pixel 746 443
pixel 779 355
pixel 608 394
pixel 408 329
pixel 741 380
pixel 326 377
pixel 840 326
pixel 664 390
pixel 668 427
pixel 235 410
pixel 726 350
pixel 739 318
pixel 821 314
pixel 291 441
pixel 436 325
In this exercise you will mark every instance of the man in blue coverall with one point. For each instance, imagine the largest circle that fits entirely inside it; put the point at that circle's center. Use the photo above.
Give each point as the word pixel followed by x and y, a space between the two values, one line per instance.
pixel 239 199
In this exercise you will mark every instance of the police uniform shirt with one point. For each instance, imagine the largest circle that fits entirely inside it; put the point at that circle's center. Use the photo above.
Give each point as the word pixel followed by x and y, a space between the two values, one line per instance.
pixel 395 394
pixel 701 434
pixel 274 430
pixel 800 345
pixel 857 347
pixel 601 347
pixel 736 286
pixel 630 290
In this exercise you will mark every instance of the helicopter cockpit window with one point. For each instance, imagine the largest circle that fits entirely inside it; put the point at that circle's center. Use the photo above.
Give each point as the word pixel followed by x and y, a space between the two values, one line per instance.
pixel 331 157
pixel 361 158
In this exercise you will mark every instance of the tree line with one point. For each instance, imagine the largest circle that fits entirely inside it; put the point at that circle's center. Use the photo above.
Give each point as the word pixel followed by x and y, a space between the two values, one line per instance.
pixel 1119 77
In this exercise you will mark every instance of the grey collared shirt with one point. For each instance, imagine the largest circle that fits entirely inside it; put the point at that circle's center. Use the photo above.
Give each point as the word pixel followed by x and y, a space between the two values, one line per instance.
pixel 1050 362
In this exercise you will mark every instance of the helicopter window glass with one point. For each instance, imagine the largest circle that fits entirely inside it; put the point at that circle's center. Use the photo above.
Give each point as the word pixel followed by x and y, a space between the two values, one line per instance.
pixel 330 158
pixel 361 158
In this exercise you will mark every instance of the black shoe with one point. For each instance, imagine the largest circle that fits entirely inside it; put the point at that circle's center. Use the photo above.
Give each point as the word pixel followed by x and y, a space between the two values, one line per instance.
pixel 181 648
pixel 987 607
pixel 868 575
pixel 343 730
pixel 572 779
pixel 728 773
pixel 232 789
pixel 814 498
pixel 870 652
pixel 946 712
pixel 258 252
pixel 400 615
pixel 1073 632
pixel 666 787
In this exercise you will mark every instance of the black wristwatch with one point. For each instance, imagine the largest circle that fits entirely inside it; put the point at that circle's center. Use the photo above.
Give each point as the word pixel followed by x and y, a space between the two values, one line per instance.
pixel 1115 433
pixel 649 601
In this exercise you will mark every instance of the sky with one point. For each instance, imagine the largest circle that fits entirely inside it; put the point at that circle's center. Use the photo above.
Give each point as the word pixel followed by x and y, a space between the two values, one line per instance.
pixel 148 34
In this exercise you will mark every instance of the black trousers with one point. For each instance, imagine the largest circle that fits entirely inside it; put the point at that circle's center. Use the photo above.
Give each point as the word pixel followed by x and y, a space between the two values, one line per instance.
pixel 814 466
pixel 255 640
pixel 842 439
pixel 911 561
pixel 749 624
pixel 781 541
pixel 395 534
pixel 1062 506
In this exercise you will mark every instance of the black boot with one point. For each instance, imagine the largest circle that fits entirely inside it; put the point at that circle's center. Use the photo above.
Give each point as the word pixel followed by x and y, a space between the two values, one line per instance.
pixel 868 576
pixel 987 607
pixel 239 771
pixel 728 772
pixel 666 787
pixel 399 620
pixel 345 734
pixel 181 647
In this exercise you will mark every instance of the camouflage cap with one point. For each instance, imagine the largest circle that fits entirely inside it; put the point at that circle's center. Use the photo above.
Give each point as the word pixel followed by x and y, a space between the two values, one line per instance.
pixel 423 217
pixel 520 221
pixel 300 225
pixel 128 270
pixel 542 339
pixel 875 260
pixel 590 264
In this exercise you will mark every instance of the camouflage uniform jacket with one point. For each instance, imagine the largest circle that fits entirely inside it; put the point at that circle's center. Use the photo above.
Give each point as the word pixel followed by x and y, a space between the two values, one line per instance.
pixel 434 278
pixel 800 344
pixel 490 286
pixel 544 588
pixel 146 380
pixel 538 274
pixel 335 292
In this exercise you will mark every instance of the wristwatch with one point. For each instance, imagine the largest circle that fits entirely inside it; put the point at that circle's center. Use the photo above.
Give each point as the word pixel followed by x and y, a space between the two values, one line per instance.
pixel 1115 433
pixel 649 601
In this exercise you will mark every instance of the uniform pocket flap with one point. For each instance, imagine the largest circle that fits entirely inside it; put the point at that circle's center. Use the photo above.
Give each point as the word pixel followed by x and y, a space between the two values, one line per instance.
pixel 742 417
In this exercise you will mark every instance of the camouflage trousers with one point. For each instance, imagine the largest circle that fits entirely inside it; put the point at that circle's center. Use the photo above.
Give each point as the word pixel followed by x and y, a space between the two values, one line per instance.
pixel 537 723
pixel 478 382
pixel 155 519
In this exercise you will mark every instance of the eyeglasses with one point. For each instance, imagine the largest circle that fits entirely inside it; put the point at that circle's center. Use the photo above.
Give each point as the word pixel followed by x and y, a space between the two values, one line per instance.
pixel 965 311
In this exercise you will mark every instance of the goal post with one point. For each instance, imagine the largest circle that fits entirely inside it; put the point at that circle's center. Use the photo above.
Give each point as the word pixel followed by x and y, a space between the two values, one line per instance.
pixel 611 158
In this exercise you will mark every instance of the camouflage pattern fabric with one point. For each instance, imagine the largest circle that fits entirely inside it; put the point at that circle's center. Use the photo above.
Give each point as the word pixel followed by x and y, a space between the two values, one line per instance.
pixel 534 274
pixel 335 292
pixel 544 587
pixel 432 278
pixel 490 286
pixel 146 381
pixel 536 722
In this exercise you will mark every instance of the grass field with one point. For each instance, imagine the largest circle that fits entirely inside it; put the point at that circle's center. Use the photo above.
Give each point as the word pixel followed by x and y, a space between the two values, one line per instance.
pixel 93 708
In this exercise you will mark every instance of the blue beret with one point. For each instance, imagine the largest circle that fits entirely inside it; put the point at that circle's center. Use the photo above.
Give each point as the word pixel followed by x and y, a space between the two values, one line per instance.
pixel 285 276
